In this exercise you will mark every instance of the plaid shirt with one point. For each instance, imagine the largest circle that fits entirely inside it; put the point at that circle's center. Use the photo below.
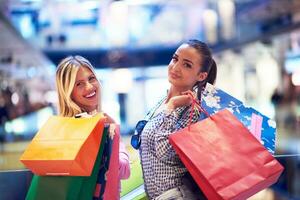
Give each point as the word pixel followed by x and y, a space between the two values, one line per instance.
pixel 162 168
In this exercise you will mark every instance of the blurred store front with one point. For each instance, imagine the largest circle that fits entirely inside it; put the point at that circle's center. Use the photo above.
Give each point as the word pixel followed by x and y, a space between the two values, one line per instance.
pixel 256 45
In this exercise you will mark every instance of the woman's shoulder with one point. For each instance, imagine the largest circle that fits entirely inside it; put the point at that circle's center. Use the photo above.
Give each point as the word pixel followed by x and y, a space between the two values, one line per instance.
pixel 154 107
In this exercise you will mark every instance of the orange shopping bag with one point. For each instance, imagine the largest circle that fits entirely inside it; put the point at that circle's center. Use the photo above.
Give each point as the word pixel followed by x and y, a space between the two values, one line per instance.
pixel 65 146
pixel 225 160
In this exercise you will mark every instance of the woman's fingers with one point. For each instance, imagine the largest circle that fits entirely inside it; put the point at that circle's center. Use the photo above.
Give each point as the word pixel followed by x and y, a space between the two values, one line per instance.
pixel 183 100
pixel 190 93
pixel 112 130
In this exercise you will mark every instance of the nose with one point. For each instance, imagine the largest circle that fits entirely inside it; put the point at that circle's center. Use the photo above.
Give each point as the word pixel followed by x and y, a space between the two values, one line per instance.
pixel 175 66
pixel 89 86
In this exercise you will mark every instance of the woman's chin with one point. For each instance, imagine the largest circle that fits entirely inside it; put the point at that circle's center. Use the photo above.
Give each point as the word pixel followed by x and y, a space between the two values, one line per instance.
pixel 171 80
pixel 91 109
pixel 174 82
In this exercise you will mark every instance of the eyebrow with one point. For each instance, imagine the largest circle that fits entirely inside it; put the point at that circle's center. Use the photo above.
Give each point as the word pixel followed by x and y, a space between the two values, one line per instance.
pixel 82 80
pixel 78 81
pixel 186 60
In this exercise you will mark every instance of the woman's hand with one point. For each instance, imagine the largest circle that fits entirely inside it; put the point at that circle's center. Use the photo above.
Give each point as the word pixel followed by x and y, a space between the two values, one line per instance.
pixel 185 99
pixel 109 119
pixel 112 130
pixel 112 125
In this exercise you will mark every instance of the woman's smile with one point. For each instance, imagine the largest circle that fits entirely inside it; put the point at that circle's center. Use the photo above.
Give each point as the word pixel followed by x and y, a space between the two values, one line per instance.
pixel 90 95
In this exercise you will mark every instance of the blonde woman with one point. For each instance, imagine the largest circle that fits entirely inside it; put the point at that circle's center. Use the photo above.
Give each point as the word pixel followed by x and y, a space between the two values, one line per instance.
pixel 77 86
pixel 79 94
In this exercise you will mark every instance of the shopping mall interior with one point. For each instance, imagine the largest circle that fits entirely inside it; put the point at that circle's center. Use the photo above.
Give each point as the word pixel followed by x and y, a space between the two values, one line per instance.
pixel 255 43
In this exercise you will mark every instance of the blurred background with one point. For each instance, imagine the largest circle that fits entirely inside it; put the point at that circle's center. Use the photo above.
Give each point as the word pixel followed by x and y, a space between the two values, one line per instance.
pixel 256 44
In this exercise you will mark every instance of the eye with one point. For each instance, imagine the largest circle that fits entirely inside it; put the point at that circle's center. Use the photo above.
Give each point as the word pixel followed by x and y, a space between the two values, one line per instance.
pixel 187 65
pixel 92 78
pixel 174 59
pixel 79 84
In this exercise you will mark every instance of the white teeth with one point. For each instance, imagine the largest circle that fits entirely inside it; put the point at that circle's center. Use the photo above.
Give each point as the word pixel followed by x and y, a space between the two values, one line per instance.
pixel 90 95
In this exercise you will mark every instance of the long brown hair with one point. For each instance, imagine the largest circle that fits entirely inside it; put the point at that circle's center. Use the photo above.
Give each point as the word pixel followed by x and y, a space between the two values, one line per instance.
pixel 208 64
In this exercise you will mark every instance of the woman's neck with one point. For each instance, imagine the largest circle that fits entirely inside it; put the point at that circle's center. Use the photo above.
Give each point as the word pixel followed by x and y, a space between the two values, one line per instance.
pixel 93 112
pixel 175 91
pixel 90 111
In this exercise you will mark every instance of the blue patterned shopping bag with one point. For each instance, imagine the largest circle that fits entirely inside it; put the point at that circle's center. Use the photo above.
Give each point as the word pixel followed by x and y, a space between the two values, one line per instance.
pixel 264 128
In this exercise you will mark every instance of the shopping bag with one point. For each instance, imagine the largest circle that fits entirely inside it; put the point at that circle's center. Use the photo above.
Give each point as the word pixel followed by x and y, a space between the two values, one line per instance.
pixel 67 187
pixel 112 189
pixel 214 100
pixel 65 146
pixel 107 187
pixel 225 160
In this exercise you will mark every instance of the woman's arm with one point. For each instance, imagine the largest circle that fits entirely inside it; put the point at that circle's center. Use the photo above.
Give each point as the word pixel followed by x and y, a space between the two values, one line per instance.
pixel 163 149
pixel 124 167
pixel 171 123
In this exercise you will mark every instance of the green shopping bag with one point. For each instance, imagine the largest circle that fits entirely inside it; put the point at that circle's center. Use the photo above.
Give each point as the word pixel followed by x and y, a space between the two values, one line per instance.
pixel 66 187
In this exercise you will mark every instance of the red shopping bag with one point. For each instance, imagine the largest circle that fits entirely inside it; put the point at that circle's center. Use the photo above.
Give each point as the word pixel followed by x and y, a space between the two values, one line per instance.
pixel 224 159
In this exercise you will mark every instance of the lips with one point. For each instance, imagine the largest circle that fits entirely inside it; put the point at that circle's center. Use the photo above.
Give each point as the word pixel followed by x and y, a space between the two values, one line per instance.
pixel 174 75
pixel 90 95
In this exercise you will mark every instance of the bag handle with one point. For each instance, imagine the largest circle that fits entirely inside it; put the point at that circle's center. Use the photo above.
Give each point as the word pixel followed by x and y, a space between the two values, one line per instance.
pixel 196 105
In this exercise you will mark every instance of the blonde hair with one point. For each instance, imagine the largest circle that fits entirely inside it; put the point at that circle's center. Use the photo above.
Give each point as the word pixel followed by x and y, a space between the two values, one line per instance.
pixel 65 80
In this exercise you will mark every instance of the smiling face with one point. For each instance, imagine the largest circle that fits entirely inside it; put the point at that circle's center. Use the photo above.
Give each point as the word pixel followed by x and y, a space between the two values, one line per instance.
pixel 184 68
pixel 86 91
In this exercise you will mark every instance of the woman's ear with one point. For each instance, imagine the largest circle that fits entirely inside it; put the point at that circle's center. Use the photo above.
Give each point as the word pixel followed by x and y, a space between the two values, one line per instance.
pixel 202 76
